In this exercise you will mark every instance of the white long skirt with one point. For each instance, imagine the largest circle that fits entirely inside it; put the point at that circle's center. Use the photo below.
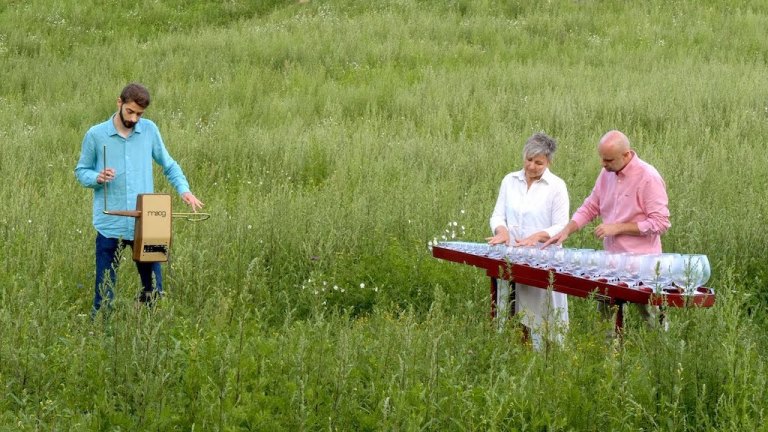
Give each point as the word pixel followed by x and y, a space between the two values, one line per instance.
pixel 544 312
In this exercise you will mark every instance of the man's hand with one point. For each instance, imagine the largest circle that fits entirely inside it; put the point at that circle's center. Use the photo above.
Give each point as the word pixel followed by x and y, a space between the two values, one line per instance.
pixel 557 239
pixel 192 201
pixel 607 230
pixel 560 237
pixel 105 175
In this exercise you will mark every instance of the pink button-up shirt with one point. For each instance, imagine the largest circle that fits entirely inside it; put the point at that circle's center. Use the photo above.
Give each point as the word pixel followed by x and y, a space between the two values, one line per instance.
pixel 637 193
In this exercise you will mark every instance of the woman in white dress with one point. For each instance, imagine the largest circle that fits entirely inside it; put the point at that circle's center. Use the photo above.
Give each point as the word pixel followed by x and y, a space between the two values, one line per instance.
pixel 532 206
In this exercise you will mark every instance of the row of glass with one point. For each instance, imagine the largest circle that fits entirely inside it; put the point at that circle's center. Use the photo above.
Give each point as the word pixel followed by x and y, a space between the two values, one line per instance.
pixel 655 271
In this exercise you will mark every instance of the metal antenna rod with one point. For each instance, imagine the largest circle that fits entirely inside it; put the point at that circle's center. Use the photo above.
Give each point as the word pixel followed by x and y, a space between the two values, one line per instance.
pixel 105 180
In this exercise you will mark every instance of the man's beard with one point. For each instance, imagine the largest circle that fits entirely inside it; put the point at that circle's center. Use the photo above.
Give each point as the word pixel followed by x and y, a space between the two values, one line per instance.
pixel 128 124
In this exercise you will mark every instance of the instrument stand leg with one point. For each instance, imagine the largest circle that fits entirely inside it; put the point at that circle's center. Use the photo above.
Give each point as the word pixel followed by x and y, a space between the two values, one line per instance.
pixel 494 291
pixel 619 328
pixel 663 322
pixel 505 302
pixel 525 334
pixel 512 299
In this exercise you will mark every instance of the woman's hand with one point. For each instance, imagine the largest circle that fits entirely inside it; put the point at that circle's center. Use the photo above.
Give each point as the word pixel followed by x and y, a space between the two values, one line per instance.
pixel 501 236
pixel 533 239
pixel 528 241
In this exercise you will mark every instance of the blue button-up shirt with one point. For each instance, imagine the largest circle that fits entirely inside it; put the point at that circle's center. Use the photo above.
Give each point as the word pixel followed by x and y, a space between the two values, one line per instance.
pixel 131 158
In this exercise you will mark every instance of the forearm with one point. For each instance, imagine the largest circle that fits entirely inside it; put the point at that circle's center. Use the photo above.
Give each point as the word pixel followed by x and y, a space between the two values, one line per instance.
pixel 501 229
pixel 657 223
pixel 171 169
pixel 628 228
pixel 176 178
pixel 500 236
pixel 87 178
pixel 656 209
pixel 571 227
pixel 540 236
pixel 85 170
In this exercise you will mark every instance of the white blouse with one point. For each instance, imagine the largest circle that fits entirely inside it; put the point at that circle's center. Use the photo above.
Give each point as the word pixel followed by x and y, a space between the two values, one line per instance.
pixel 525 211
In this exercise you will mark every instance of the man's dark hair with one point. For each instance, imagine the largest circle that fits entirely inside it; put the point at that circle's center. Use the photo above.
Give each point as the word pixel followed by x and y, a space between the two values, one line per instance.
pixel 135 92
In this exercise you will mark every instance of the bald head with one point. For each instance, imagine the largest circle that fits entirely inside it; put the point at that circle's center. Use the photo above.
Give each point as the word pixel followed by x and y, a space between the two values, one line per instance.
pixel 614 151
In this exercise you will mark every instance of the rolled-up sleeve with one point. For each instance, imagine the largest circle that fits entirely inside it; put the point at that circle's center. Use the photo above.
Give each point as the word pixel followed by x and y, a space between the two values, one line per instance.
pixel 655 206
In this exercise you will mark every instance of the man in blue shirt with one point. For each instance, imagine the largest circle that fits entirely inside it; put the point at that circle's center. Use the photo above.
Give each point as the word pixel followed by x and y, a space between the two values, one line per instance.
pixel 131 143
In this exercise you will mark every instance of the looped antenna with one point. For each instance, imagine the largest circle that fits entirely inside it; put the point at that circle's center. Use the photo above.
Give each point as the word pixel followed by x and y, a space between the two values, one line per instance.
pixel 192 217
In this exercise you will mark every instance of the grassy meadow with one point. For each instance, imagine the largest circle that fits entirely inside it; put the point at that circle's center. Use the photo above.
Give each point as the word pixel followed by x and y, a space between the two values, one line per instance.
pixel 331 141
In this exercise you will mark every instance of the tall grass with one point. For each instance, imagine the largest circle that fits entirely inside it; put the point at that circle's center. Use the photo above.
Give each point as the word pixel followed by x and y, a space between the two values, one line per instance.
pixel 332 141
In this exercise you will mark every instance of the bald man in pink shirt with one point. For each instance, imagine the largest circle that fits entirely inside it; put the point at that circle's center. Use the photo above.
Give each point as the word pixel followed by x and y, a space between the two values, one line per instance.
pixel 631 199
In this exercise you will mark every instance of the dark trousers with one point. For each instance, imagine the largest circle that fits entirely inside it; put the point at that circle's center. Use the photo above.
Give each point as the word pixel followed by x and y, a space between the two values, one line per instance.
pixel 107 260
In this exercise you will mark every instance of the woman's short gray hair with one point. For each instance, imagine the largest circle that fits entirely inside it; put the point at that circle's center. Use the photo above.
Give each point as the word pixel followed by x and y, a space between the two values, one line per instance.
pixel 540 144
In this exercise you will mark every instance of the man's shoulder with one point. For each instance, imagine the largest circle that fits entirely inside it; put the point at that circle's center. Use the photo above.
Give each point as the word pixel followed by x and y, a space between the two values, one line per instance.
pixel 648 170
pixel 102 128
pixel 148 125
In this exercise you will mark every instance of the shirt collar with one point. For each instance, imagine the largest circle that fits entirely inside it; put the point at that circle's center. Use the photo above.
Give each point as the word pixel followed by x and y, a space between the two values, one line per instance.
pixel 139 128
pixel 546 177
pixel 631 166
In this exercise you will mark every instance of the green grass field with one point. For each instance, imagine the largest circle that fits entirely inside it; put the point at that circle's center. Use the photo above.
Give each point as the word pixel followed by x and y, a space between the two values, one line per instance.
pixel 332 141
